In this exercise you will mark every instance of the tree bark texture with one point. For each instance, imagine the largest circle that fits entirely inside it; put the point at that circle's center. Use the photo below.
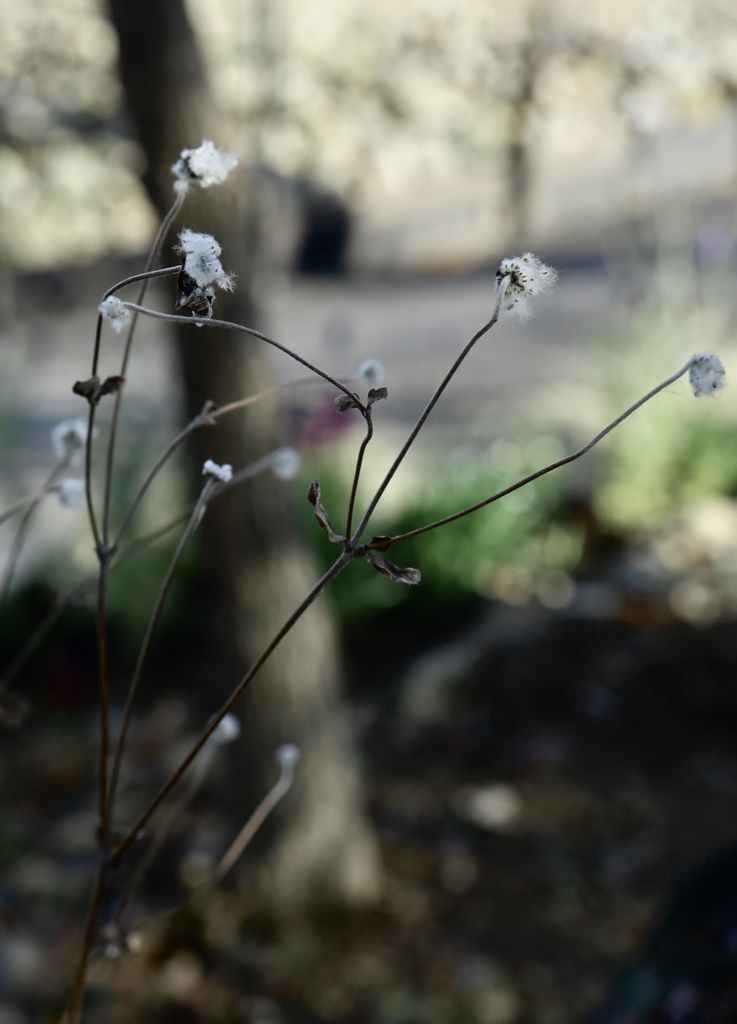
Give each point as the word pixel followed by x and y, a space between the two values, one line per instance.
pixel 255 571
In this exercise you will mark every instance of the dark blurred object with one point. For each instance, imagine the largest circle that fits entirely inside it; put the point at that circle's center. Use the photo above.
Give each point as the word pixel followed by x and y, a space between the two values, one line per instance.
pixel 688 972
pixel 326 232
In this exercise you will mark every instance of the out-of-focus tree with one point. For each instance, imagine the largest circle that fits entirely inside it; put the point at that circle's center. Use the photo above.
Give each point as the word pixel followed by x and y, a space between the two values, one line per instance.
pixel 255 570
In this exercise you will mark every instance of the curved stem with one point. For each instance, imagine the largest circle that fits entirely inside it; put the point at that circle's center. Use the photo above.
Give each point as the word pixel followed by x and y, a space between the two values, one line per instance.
pixel 540 472
pixel 234 851
pixel 73 1011
pixel 202 322
pixel 30 505
pixel 239 690
pixel 194 521
pixel 144 278
pixel 145 275
pixel 357 471
pixel 200 419
pixel 501 290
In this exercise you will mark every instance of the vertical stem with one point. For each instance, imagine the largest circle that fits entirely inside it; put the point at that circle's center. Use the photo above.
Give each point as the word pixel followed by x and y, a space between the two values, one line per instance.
pixel 73 1011
pixel 359 463
pixel 501 290
pixel 24 526
pixel 194 521
pixel 335 570
pixel 103 687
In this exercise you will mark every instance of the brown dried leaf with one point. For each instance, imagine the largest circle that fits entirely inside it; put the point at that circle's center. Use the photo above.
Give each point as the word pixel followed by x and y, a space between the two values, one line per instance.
pixel 376 394
pixel 110 386
pixel 313 496
pixel 89 389
pixel 380 543
pixel 345 402
pixel 394 572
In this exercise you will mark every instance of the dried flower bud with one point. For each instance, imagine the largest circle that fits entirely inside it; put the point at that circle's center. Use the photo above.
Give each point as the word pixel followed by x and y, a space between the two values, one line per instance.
pixel 345 402
pixel 227 730
pixel 202 260
pixel 285 463
pixel 223 473
pixel 205 166
pixel 287 756
pixel 706 375
pixel 190 296
pixel 70 492
pixel 372 371
pixel 68 439
pixel 115 312
pixel 526 277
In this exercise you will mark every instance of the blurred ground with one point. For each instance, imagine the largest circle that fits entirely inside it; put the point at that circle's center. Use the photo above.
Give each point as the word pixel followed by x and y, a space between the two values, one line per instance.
pixel 537 781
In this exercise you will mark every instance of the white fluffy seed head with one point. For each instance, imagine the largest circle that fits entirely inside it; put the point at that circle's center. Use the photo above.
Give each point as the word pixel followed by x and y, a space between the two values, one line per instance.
pixel 202 260
pixel 523 278
pixel 205 166
pixel 706 375
pixel 223 473
pixel 115 312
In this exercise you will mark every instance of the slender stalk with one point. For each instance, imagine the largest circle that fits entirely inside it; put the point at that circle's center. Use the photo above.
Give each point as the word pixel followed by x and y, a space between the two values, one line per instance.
pixel 104 550
pixel 103 689
pixel 30 505
pixel 202 322
pixel 97 345
pixel 540 472
pixel 200 419
pixel 237 693
pixel 194 521
pixel 144 278
pixel 232 854
pixel 73 1011
pixel 24 503
pixel 146 275
pixel 163 831
pixel 501 290
pixel 91 514
pixel 359 464
pixel 242 403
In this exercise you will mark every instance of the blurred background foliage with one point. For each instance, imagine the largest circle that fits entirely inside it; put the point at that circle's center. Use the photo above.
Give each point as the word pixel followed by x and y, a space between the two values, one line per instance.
pixel 372 104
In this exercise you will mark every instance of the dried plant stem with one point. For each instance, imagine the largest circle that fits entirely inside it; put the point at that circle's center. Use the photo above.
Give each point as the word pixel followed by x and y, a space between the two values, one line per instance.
pixel 359 465
pixel 23 503
pixel 243 403
pixel 164 830
pixel 73 1011
pixel 239 690
pixel 202 322
pixel 194 521
pixel 199 420
pixel 30 505
pixel 103 689
pixel 546 469
pixel 146 276
pixel 231 855
pixel 426 412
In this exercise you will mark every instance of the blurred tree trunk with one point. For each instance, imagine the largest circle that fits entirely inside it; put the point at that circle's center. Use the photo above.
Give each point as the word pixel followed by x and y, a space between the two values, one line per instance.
pixel 255 571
